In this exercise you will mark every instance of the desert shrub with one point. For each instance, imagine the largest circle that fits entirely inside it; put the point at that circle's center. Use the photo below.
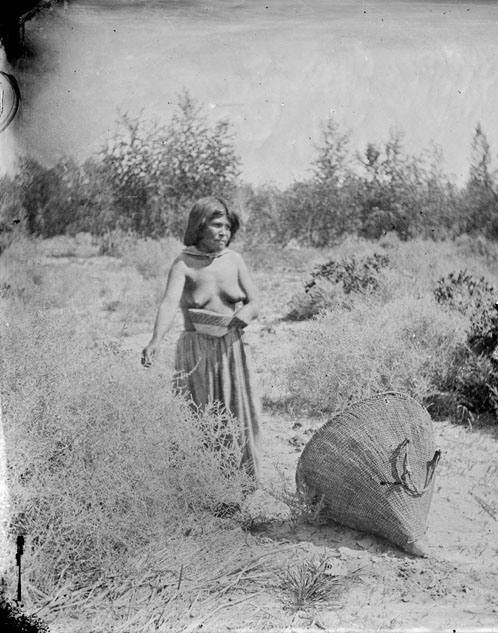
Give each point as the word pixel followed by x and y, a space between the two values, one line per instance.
pixel 467 390
pixel 451 367
pixel 331 281
pixel 102 459
pixel 482 334
pixel 20 274
pixel 346 355
pixel 463 291
pixel 472 378
pixel 476 385
pixel 355 276
pixel 423 262
pixel 476 298
pixel 324 295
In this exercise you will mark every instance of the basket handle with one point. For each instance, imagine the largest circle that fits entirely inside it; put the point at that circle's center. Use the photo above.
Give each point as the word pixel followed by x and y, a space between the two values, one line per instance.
pixel 405 479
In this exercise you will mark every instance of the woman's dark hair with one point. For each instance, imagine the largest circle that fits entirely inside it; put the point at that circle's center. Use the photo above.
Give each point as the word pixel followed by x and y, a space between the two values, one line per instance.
pixel 202 212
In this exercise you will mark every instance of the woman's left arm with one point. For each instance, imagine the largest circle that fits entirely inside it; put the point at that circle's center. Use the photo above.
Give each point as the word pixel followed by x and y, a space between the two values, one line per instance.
pixel 250 309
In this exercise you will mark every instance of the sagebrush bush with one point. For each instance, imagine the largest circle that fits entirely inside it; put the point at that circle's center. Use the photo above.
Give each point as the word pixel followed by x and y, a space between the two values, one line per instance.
pixel 324 295
pixel 102 458
pixel 464 292
pixel 347 355
pixel 483 331
pixel 354 275
pixel 473 378
pixel 475 385
pixel 331 281
pixel 458 376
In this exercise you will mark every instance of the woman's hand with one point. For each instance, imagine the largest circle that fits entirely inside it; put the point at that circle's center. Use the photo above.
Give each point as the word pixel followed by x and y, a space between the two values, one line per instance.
pixel 148 354
pixel 250 309
pixel 243 316
pixel 238 323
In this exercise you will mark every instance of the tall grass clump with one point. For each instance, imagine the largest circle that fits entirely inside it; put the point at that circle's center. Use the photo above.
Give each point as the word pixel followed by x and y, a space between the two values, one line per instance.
pixel 423 327
pixel 309 583
pixel 102 459
pixel 350 354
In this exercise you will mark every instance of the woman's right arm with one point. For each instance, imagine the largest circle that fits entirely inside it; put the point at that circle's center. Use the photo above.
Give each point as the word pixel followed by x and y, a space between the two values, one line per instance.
pixel 167 310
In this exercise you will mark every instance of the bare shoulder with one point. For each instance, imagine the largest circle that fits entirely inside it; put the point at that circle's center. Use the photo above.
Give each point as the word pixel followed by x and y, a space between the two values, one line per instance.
pixel 179 265
pixel 180 260
pixel 235 257
pixel 240 266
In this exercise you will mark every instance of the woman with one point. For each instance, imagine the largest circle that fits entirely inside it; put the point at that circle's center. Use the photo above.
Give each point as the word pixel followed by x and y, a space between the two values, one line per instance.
pixel 209 276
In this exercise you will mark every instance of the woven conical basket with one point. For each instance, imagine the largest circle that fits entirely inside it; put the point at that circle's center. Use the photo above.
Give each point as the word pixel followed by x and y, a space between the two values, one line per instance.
pixel 372 468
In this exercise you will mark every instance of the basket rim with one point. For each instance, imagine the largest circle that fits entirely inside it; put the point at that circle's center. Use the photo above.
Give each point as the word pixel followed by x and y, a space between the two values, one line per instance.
pixel 398 395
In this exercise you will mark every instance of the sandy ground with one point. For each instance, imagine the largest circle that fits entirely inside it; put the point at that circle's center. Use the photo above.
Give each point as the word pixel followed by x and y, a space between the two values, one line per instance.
pixel 455 587
pixel 374 586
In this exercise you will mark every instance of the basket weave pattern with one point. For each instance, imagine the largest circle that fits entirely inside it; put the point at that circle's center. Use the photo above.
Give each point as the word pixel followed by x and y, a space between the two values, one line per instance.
pixel 209 323
pixel 372 468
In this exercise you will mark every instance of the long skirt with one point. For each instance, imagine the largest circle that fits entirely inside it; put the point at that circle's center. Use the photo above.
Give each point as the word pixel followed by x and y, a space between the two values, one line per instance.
pixel 212 369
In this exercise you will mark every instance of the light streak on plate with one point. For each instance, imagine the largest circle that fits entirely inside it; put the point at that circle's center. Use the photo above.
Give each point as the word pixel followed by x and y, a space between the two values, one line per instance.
pixel 4 502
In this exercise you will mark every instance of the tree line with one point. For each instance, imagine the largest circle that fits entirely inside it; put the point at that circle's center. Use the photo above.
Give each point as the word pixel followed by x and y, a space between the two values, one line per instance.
pixel 145 178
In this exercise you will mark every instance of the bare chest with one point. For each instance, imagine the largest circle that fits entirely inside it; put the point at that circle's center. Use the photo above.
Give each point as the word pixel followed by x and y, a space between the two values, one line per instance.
pixel 217 281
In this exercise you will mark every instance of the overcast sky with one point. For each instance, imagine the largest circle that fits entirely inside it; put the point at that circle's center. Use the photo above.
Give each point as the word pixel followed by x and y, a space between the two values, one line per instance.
pixel 275 69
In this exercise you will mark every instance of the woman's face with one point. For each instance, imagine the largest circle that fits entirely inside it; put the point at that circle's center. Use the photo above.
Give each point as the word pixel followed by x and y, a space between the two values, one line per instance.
pixel 216 235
